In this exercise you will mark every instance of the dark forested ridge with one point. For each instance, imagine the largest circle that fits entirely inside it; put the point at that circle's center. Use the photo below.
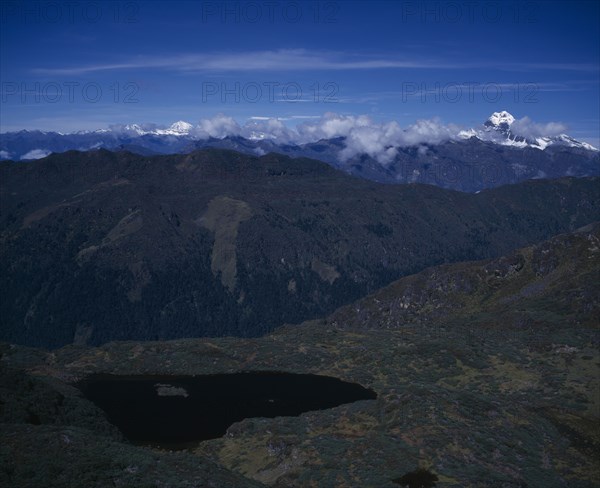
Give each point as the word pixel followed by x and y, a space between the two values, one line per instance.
pixel 101 246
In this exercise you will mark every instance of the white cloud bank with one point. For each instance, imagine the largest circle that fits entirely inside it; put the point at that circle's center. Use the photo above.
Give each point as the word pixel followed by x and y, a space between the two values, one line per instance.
pixel 36 154
pixel 219 126
pixel 525 127
pixel 362 134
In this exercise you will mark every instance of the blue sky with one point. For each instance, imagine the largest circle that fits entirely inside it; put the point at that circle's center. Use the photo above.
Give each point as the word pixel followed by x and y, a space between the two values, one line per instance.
pixel 86 65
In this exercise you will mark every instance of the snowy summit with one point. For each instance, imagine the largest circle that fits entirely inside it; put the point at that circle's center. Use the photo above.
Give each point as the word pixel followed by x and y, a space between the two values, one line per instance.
pixel 179 128
pixel 500 119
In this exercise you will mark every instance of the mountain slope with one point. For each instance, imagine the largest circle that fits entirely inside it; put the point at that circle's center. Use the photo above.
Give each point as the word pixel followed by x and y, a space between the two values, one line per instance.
pixel 100 246
pixel 486 373
pixel 551 283
pixel 500 127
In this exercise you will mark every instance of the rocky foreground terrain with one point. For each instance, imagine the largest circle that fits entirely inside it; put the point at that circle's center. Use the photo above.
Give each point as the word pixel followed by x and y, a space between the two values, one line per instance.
pixel 486 374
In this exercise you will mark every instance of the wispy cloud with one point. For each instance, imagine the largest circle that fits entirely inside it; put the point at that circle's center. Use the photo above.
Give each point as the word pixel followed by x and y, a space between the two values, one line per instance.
pixel 299 60
pixel 282 59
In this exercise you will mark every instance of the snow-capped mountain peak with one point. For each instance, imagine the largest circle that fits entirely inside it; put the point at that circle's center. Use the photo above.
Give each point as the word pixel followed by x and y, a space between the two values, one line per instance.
pixel 181 127
pixel 501 119
pixel 497 129
pixel 135 128
pixel 570 142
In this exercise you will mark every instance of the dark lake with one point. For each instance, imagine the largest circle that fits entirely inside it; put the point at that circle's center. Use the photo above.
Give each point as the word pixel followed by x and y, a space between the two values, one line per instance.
pixel 179 411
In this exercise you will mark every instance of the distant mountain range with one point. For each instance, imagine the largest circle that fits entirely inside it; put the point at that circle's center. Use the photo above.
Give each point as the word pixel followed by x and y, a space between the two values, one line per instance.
pixel 99 246
pixel 469 160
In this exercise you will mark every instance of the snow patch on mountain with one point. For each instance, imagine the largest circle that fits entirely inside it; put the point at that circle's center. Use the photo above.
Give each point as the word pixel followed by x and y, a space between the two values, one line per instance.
pixel 498 119
pixel 179 128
